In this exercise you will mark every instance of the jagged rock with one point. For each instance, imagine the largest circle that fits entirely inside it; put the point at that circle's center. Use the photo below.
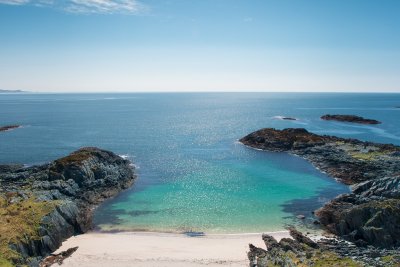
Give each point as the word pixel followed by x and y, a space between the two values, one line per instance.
pixel 373 222
pixel 302 251
pixel 73 186
pixel 270 241
pixel 299 237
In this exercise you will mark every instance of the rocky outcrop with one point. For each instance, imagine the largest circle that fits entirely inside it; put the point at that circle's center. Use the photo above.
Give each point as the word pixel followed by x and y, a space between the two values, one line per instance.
pixel 300 250
pixel 348 160
pixel 57 258
pixel 8 127
pixel 69 188
pixel 371 213
pixel 349 118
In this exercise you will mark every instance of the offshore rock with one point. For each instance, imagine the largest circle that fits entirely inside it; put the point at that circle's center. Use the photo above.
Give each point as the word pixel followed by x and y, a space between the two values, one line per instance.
pixel 63 195
pixel 349 118
pixel 8 127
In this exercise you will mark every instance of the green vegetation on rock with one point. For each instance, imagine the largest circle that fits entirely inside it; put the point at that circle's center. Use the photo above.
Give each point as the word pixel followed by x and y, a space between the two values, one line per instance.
pixel 19 221
pixel 370 155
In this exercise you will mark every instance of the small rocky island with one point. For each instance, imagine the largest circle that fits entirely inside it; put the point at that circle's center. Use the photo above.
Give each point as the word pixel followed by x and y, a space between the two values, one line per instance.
pixel 370 214
pixel 41 206
pixel 349 118
pixel 8 127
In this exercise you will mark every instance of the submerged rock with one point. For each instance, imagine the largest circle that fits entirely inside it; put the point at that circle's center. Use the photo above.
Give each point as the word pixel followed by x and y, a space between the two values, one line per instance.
pixel 61 195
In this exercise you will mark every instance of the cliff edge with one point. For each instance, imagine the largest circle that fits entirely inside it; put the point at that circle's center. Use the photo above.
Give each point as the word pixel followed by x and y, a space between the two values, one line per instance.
pixel 41 206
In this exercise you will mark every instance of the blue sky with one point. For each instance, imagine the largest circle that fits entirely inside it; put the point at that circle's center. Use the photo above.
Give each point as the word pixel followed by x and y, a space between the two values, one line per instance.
pixel 199 45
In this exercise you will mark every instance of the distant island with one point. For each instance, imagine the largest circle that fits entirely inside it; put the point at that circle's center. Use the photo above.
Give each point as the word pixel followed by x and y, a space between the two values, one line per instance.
pixel 349 118
pixel 8 127
pixel 11 91
pixel 289 119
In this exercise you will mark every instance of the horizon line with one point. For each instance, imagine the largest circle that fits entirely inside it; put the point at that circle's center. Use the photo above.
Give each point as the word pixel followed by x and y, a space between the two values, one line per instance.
pixel 20 91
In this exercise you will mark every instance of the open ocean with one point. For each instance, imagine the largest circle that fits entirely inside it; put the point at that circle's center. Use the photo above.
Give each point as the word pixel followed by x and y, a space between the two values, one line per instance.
pixel 193 174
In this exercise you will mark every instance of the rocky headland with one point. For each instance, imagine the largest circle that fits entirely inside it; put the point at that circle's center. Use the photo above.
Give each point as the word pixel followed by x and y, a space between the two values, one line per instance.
pixel 370 214
pixel 8 127
pixel 349 118
pixel 41 206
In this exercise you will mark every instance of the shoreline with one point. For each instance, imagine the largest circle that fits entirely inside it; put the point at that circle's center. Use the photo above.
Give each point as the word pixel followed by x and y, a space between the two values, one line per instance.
pixel 370 169
pixel 167 249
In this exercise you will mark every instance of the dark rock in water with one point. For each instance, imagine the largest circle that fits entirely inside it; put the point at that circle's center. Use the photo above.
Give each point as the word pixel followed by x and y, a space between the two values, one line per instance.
pixel 289 119
pixel 63 195
pixel 194 234
pixel 371 213
pixel 349 118
pixel 8 127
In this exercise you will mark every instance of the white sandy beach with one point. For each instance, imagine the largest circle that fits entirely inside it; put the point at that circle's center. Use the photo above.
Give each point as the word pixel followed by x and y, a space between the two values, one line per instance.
pixel 161 249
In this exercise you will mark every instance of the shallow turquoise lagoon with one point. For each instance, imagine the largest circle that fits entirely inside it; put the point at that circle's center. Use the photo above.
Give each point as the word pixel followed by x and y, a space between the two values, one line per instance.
pixel 193 174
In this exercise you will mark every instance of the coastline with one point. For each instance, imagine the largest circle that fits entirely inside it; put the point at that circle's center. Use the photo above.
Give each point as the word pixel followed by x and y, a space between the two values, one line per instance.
pixel 161 249
pixel 371 169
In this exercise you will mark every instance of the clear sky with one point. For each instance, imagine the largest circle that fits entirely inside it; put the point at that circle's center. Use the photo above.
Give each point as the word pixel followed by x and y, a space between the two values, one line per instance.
pixel 200 45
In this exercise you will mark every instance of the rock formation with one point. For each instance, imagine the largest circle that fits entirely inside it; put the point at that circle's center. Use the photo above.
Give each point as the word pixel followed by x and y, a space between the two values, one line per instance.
pixel 371 213
pixel 302 251
pixel 349 118
pixel 41 206
pixel 8 127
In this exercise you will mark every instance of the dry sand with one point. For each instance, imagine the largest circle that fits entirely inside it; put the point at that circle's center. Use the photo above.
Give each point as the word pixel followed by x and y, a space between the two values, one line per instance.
pixel 161 249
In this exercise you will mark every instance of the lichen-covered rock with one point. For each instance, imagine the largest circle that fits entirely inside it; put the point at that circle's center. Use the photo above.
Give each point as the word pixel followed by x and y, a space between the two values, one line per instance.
pixel 71 187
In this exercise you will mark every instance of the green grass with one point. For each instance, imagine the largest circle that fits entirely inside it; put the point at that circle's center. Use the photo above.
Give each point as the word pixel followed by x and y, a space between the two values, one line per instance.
pixel 332 259
pixel 368 156
pixel 391 261
pixel 19 222
pixel 5 263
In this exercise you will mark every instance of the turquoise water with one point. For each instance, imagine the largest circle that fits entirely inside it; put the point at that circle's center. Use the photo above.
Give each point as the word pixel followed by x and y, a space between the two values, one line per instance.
pixel 193 174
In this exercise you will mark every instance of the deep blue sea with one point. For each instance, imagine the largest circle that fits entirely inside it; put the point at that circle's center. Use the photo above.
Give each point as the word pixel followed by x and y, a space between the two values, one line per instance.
pixel 193 174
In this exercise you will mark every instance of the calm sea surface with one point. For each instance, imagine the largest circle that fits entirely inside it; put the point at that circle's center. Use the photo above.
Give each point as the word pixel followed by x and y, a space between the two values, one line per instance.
pixel 193 174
